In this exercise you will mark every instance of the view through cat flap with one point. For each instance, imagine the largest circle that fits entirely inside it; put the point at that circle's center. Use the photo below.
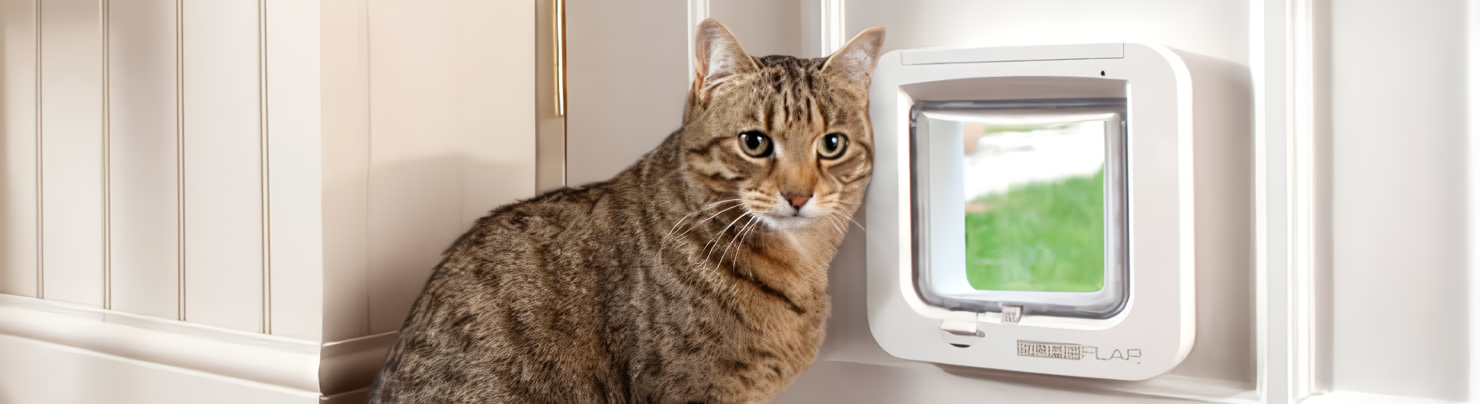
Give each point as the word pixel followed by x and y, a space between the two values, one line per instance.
pixel 1034 199
pixel 1026 204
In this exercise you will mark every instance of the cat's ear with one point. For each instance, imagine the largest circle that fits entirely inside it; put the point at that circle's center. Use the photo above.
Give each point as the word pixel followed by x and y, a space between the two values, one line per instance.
pixel 718 55
pixel 857 59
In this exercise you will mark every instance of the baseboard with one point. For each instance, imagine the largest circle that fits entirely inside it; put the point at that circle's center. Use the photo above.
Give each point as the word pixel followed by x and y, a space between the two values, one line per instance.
pixel 277 361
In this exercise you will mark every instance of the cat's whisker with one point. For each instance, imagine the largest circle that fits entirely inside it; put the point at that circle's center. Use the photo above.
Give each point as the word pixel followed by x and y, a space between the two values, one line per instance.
pixel 739 236
pixel 745 234
pixel 667 237
pixel 701 222
pixel 855 222
pixel 725 251
pixel 716 238
pixel 706 207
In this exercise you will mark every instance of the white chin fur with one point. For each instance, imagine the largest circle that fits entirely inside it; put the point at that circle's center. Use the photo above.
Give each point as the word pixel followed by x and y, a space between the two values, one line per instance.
pixel 784 222
pixel 782 216
pixel 785 218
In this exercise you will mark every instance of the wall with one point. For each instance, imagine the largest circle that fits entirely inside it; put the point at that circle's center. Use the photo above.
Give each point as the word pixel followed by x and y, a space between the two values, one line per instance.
pixel 140 160
pixel 1222 365
pixel 243 175
pixel 1399 155
pixel 1223 354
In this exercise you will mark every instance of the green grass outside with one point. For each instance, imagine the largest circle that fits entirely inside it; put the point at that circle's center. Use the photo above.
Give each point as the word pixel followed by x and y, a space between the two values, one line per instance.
pixel 1047 237
pixel 992 129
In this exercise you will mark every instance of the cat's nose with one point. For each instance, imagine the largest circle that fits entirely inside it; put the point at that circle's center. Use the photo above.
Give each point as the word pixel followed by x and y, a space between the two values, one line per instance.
pixel 798 200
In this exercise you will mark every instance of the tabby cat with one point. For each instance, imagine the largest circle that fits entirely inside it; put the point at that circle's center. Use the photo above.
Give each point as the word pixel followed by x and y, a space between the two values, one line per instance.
pixel 698 275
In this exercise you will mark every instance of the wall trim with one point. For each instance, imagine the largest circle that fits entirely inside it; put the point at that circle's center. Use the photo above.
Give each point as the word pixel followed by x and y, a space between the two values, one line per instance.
pixel 832 26
pixel 1347 397
pixel 265 178
pixel 40 187
pixel 351 364
pixel 106 16
pixel 1292 308
pixel 698 11
pixel 272 360
pixel 1472 34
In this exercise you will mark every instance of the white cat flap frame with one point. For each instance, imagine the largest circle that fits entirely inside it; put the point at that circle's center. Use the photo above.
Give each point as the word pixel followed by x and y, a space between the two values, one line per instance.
pixel 1141 323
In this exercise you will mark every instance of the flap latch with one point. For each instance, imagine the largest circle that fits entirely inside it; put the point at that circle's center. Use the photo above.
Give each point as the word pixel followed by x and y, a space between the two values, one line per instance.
pixel 959 329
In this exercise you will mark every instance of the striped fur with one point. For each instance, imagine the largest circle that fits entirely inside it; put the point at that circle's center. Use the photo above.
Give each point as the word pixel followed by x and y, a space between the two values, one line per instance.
pixel 684 279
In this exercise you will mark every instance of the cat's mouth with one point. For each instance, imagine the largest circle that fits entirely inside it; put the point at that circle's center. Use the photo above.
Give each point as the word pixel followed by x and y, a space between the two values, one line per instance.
pixel 785 217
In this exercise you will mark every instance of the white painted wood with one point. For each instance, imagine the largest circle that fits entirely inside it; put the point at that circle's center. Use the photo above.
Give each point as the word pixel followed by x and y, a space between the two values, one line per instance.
pixel 351 364
pixel 346 162
pixel 1345 397
pixel 294 168
pixel 18 153
pixel 223 172
pixel 72 150
pixel 453 118
pixel 282 362
pixel 143 158
pixel 848 382
pixel 627 82
pixel 1270 71
pixel 764 27
pixel 449 140
pixel 1472 42
pixel 1399 181
pixel 698 10
pixel 833 26
pixel 30 374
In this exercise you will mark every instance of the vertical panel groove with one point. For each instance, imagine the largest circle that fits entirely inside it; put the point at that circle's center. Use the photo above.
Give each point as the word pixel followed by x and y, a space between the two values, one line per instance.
pixel 369 157
pixel 40 207
pixel 266 192
pixel 104 15
pixel 180 150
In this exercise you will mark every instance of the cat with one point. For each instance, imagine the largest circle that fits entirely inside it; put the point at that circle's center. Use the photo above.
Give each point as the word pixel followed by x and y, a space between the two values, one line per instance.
pixel 697 275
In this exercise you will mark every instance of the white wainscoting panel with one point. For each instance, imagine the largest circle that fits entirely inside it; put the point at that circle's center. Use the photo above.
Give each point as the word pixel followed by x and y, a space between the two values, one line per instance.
pixel 18 154
pixel 143 174
pixel 226 169
pixel 224 263
pixel 294 156
pixel 72 151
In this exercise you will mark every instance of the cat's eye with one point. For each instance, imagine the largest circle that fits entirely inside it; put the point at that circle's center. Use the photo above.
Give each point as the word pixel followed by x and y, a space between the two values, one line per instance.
pixel 832 146
pixel 755 143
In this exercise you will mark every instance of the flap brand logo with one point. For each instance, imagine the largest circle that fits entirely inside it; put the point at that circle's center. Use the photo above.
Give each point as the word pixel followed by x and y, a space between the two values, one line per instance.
pixel 1055 350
